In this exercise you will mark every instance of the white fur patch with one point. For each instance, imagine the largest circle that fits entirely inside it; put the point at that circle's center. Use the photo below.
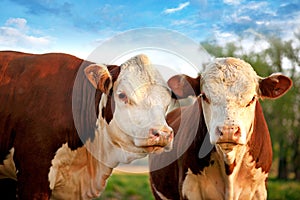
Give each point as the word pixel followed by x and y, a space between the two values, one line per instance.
pixel 77 174
pixel 246 182
pixel 82 173
pixel 8 169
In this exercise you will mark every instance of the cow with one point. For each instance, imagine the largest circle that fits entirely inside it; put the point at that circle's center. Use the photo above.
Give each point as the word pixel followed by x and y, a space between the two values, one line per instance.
pixel 222 147
pixel 65 123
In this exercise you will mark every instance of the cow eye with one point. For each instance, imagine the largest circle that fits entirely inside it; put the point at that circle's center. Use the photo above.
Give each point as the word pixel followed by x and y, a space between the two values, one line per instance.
pixel 252 100
pixel 123 97
pixel 204 97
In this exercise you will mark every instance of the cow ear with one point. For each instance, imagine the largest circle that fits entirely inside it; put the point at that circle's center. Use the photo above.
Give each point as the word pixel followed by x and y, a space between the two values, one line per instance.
pixel 184 86
pixel 274 86
pixel 99 77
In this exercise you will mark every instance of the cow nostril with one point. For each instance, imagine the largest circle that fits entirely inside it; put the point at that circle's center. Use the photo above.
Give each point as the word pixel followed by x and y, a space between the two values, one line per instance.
pixel 165 132
pixel 219 131
pixel 230 131
pixel 155 132
pixel 237 132
pixel 171 132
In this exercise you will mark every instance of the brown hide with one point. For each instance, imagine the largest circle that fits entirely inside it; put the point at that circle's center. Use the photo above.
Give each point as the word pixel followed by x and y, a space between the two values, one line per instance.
pixel 41 97
pixel 260 142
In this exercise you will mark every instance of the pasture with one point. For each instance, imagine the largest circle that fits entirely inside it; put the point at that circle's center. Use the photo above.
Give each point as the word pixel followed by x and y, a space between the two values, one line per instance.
pixel 123 186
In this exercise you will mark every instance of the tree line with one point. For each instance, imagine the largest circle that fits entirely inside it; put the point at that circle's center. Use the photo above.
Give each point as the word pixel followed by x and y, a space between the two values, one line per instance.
pixel 283 114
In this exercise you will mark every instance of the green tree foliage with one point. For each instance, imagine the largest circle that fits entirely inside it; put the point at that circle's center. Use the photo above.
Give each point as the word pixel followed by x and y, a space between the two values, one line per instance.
pixel 283 114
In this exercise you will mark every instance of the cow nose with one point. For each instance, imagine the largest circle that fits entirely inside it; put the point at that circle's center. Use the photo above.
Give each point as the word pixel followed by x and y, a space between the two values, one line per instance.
pixel 165 132
pixel 229 133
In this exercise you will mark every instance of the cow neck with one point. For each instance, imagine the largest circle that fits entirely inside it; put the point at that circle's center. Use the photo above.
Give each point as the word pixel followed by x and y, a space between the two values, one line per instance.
pixel 113 147
pixel 260 142
pixel 246 164
pixel 77 174
pixel 241 178
pixel 229 172
pixel 111 151
pixel 87 167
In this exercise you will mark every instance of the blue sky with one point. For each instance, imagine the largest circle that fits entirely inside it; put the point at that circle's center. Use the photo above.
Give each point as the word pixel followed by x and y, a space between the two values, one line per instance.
pixel 79 26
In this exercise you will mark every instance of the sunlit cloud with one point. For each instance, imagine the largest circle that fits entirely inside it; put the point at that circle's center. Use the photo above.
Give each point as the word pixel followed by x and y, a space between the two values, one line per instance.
pixel 16 33
pixel 232 2
pixel 178 8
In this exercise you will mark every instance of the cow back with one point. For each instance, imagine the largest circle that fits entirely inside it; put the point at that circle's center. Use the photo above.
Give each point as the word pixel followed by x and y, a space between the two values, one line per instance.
pixel 36 101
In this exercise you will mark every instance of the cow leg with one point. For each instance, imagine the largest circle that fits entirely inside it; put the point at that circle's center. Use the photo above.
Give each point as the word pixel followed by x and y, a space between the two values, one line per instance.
pixel 33 183
pixel 8 189
pixel 33 167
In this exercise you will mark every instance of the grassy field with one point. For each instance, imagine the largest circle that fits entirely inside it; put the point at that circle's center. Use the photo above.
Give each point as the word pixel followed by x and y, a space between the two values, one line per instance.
pixel 136 187
pixel 127 187
pixel 281 190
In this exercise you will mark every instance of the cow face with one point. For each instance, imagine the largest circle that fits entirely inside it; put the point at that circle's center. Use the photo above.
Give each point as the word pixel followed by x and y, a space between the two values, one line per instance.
pixel 141 98
pixel 229 90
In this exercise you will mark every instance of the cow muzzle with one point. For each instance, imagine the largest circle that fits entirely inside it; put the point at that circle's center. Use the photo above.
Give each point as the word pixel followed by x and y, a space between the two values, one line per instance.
pixel 160 140
pixel 228 136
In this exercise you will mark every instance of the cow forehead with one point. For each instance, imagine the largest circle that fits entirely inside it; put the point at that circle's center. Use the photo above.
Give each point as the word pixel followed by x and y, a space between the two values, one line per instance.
pixel 140 70
pixel 229 78
pixel 139 77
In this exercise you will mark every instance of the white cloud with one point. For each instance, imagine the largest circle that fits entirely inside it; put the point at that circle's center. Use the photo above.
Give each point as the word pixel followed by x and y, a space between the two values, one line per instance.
pixel 178 8
pixel 287 27
pixel 19 23
pixel 181 22
pixel 222 38
pixel 250 41
pixel 16 34
pixel 262 22
pixel 237 18
pixel 232 2
pixel 263 5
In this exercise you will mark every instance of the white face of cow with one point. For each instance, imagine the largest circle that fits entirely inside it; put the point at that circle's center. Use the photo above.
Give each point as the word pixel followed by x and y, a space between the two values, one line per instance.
pixel 230 89
pixel 141 99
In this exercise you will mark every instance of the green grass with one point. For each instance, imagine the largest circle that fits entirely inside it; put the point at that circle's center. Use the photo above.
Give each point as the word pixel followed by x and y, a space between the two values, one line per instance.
pixel 283 190
pixel 136 187
pixel 127 187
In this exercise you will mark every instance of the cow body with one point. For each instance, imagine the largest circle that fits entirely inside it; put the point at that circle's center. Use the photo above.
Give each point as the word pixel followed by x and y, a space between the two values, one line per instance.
pixel 231 128
pixel 64 122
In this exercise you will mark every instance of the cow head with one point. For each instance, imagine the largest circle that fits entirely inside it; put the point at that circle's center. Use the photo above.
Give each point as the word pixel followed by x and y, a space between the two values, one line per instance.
pixel 229 89
pixel 138 97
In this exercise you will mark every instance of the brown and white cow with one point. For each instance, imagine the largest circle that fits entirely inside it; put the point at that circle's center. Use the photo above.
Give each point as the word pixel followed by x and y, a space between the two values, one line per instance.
pixel 53 145
pixel 223 151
